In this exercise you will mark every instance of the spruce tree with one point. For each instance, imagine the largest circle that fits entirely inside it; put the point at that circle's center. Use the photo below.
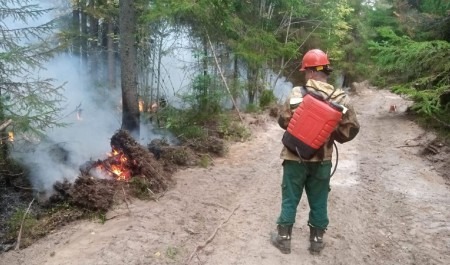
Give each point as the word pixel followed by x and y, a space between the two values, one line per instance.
pixel 30 102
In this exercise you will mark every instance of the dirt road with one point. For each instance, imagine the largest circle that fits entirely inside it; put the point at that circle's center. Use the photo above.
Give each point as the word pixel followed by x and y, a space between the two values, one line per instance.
pixel 388 205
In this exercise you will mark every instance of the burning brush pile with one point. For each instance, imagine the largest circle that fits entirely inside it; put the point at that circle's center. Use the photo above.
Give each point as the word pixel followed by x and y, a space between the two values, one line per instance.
pixel 129 167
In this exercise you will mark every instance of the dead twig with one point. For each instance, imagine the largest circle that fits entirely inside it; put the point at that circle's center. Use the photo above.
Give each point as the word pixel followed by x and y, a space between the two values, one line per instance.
pixel 5 124
pixel 115 216
pixel 443 123
pixel 125 198
pixel 414 145
pixel 19 236
pixel 161 195
pixel 199 260
pixel 24 188
pixel 210 238
pixel 153 195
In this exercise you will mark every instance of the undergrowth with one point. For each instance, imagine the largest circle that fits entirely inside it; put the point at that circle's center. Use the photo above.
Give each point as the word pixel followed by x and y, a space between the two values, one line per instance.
pixel 416 69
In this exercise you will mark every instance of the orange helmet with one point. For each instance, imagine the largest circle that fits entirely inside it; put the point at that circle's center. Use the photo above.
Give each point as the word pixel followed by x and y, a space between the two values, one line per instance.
pixel 314 58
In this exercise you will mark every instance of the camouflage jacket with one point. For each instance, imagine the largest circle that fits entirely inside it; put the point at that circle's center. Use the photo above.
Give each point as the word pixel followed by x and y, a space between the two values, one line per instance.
pixel 347 129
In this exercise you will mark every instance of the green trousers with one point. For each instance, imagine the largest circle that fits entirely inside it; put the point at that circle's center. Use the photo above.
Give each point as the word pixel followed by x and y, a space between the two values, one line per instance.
pixel 314 178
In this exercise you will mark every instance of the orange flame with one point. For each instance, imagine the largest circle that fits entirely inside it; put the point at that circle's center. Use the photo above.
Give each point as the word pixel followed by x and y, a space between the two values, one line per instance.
pixel 152 108
pixel 118 166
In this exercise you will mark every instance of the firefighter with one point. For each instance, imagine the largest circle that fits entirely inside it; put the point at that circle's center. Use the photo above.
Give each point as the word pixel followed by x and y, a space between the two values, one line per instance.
pixel 312 175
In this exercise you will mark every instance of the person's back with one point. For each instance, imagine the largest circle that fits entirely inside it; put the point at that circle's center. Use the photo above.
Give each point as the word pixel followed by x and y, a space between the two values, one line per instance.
pixel 311 174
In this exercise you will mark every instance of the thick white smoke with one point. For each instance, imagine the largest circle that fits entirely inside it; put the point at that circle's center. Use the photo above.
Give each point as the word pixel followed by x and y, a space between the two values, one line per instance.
pixel 91 121
pixel 93 113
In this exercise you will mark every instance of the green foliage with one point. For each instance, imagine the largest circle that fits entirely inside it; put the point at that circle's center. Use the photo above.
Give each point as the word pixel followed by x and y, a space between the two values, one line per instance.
pixel 101 217
pixel 416 69
pixel 258 46
pixel 192 132
pixel 410 60
pixel 172 252
pixel 252 108
pixel 335 15
pixel 185 124
pixel 231 129
pixel 439 7
pixel 203 106
pixel 39 222
pixel 204 161
pixel 32 102
pixel 258 32
pixel 202 16
pixel 395 45
pixel 141 188
pixel 15 222
pixel 207 95
pixel 267 98
pixel 190 124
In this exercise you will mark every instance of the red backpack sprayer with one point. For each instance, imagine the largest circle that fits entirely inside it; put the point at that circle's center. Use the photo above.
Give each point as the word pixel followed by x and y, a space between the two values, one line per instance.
pixel 314 120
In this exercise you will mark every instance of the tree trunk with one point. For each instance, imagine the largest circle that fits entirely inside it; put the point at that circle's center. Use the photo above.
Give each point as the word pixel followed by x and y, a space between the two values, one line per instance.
pixel 235 93
pixel 110 55
pixel 153 72
pixel 84 34
pixel 76 28
pixel 130 104
pixel 204 99
pixel 93 44
pixel 4 150
pixel 252 79
pixel 158 86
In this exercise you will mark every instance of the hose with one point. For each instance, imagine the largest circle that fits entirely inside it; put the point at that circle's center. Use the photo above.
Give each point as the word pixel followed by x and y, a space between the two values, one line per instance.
pixel 337 159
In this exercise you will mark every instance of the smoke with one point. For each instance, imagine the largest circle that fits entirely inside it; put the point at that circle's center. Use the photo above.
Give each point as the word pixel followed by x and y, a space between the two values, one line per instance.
pixel 91 121
pixel 93 113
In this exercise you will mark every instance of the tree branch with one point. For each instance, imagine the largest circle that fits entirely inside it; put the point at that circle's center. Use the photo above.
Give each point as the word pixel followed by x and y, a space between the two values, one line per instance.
pixel 5 124
pixel 21 225
pixel 199 247
pixel 223 79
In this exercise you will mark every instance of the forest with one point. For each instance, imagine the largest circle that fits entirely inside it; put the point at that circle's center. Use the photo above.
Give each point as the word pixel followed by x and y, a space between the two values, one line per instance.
pixel 184 70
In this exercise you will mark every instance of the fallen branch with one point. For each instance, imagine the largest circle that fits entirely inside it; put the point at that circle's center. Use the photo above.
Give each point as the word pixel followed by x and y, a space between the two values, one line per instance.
pixel 125 198
pixel 200 247
pixel 115 216
pixel 5 124
pixel 414 145
pixel 443 123
pixel 153 195
pixel 24 188
pixel 21 225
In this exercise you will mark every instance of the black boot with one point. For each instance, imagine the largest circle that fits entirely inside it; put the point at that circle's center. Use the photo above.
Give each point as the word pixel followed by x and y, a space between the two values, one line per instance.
pixel 316 239
pixel 282 238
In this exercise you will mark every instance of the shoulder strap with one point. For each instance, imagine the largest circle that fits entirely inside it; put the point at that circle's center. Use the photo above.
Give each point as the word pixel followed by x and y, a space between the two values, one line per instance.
pixel 329 97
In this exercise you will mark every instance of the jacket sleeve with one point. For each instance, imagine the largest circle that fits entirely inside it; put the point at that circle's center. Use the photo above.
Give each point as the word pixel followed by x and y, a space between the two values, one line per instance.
pixel 288 109
pixel 285 115
pixel 348 126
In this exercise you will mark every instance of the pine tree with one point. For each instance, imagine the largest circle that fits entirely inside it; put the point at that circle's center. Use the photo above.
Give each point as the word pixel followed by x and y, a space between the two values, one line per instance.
pixel 30 102
pixel 130 105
